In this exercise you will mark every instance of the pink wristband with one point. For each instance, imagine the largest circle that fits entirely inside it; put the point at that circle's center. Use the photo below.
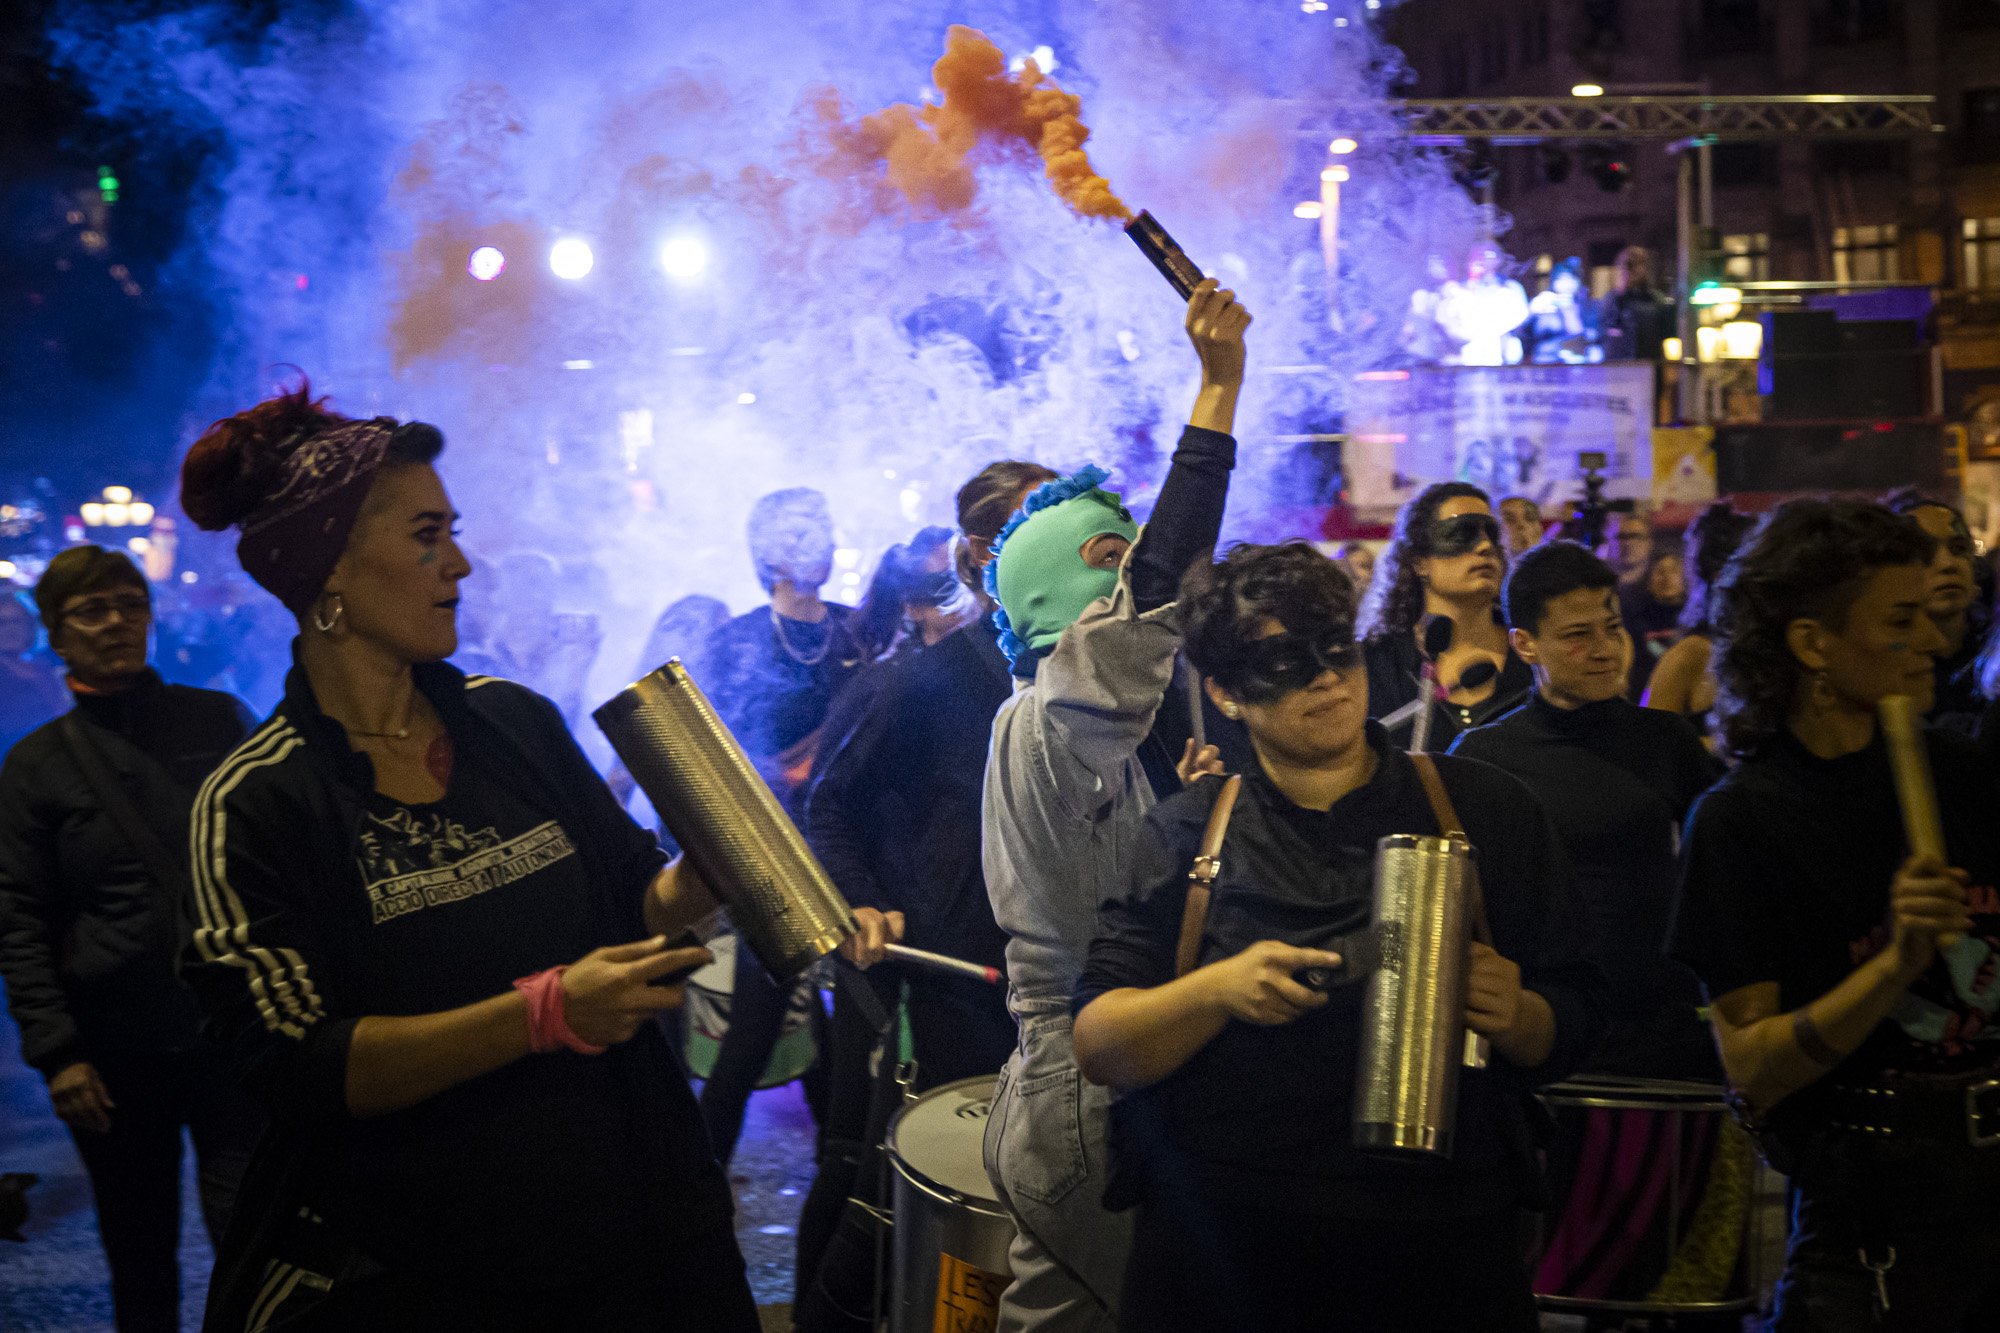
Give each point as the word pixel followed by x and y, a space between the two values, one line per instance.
pixel 548 1026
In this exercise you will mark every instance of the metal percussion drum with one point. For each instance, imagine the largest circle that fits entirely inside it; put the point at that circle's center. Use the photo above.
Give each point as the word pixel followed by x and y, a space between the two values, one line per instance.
pixel 951 1234
pixel 705 1020
pixel 1658 1197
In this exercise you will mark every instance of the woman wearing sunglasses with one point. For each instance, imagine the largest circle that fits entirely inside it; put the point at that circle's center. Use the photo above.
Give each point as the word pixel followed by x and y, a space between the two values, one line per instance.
pixel 1444 560
pixel 1232 1134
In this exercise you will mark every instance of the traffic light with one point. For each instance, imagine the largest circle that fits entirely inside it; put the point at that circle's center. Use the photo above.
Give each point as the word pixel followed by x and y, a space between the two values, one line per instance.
pixel 107 185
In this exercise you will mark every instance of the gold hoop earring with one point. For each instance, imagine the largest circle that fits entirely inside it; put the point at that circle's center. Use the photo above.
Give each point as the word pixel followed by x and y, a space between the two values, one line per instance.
pixel 339 609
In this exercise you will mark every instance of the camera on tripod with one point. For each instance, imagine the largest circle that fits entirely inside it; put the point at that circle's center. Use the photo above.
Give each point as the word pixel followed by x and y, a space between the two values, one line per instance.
pixel 1586 522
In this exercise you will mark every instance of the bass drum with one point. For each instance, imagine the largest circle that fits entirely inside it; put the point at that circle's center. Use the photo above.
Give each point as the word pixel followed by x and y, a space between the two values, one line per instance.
pixel 951 1234
pixel 705 1018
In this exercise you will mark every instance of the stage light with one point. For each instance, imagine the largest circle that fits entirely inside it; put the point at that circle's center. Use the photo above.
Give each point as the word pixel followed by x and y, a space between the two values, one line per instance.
pixel 1342 146
pixel 1587 90
pixel 1334 174
pixel 486 263
pixel 142 514
pixel 1340 23
pixel 1045 59
pixel 685 258
pixel 7 569
pixel 118 495
pixel 571 258
pixel 1710 293
pixel 745 399
pixel 92 514
pixel 1309 210
pixel 189 576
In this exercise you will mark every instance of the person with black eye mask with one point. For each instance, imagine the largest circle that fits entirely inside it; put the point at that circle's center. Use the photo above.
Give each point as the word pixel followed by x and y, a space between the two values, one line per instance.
pixel 1444 564
pixel 1231 1137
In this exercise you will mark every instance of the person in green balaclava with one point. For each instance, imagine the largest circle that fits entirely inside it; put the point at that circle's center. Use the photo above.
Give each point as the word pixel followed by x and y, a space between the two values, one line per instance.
pixel 1049 562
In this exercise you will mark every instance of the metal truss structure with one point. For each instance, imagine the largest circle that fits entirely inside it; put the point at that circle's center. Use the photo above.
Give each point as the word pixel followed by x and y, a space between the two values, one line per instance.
pixel 1698 117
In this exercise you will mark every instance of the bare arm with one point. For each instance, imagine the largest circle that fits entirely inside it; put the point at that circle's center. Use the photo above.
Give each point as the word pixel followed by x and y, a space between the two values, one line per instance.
pixel 1132 1038
pixel 397 1062
pixel 1769 1055
pixel 1671 686
pixel 677 899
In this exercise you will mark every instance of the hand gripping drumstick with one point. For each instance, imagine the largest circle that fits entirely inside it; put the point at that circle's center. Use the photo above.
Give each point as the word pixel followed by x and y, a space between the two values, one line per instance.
pixel 1904 733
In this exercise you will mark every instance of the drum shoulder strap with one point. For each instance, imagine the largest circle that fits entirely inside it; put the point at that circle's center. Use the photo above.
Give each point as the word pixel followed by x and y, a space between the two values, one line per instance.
pixel 1452 827
pixel 1201 879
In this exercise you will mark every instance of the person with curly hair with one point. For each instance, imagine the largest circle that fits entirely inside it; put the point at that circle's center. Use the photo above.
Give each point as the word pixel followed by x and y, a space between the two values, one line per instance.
pixel 1443 560
pixel 1852 986
pixel 1684 680
pixel 1233 1132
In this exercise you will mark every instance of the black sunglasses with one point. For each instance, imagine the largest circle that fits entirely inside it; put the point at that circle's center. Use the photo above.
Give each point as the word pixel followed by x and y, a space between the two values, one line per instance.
pixel 1462 535
pixel 1273 667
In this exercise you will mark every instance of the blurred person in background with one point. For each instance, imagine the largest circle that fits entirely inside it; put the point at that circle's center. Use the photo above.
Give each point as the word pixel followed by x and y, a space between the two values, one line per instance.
pixel 1443 560
pixel 1683 681
pixel 1665 601
pixel 1954 606
pixel 31 688
pixel 772 675
pixel 1557 331
pixel 94 821
pixel 1521 526
pixel 1358 559
pixel 1633 320
pixel 529 640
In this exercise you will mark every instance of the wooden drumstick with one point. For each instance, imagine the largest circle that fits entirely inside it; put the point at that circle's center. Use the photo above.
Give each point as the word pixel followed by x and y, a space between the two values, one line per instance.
pixel 1903 730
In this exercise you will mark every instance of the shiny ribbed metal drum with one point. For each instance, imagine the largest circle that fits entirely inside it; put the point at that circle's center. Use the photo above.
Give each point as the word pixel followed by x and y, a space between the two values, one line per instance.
pixel 1413 1015
pixel 723 814
pixel 951 1233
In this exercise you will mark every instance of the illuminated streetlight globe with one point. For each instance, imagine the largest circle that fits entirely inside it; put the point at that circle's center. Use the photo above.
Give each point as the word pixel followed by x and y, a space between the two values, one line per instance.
pixel 685 258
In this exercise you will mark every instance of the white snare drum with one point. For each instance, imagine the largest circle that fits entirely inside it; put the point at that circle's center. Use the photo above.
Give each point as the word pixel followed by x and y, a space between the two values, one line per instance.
pixel 951 1233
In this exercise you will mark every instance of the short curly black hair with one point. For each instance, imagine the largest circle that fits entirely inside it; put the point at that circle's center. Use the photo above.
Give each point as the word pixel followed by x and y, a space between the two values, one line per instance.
pixel 1222 605
pixel 1809 560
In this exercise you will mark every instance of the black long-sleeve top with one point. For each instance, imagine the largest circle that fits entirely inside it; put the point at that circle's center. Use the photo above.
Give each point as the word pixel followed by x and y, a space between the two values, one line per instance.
pixel 1618 782
pixel 1395 682
pixel 1262 1115
pixel 87 934
pixel 920 742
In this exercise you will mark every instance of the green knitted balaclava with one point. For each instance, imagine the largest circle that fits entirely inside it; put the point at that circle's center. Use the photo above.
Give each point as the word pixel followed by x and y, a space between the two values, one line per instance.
pixel 1038 575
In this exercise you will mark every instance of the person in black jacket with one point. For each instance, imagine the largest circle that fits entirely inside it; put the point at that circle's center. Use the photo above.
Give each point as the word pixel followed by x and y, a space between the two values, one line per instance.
pixel 1445 559
pixel 1852 985
pixel 1617 781
pixel 88 928
pixel 372 868
pixel 1255 1211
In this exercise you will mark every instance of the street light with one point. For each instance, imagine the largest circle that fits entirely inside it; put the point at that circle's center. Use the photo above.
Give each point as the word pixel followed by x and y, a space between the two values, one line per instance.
pixel 1587 90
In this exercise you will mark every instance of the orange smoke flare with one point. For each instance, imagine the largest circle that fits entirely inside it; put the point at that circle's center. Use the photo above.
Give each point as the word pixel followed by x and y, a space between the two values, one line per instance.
pixel 928 151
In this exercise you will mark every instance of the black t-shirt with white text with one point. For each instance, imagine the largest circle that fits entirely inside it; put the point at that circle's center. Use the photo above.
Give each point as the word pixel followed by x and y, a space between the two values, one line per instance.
pixel 463 896
pixel 1786 879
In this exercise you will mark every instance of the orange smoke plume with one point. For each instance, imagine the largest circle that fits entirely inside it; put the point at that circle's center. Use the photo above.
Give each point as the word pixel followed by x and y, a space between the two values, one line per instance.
pixel 928 151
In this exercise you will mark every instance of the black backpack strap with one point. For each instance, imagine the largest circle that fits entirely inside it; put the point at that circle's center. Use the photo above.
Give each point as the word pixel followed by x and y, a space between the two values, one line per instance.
pixel 170 872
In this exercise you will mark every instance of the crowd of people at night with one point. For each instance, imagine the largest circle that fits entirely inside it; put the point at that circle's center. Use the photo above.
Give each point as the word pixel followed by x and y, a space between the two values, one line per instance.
pixel 407 968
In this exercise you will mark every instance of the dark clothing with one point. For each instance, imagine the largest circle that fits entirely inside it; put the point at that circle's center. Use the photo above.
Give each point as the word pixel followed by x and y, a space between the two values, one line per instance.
pixel 1654 627
pixel 1402 1275
pixel 757 1009
pixel 1617 781
pixel 1633 325
pixel 135 1171
pixel 1395 682
pixel 87 937
pixel 1786 878
pixel 1260 1117
pixel 1936 1204
pixel 1956 699
pixel 318 903
pixel 694 1288
pixel 1186 518
pixel 772 680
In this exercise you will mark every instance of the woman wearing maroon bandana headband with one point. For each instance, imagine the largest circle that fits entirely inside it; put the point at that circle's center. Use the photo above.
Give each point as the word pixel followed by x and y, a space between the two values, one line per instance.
pixel 429 937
